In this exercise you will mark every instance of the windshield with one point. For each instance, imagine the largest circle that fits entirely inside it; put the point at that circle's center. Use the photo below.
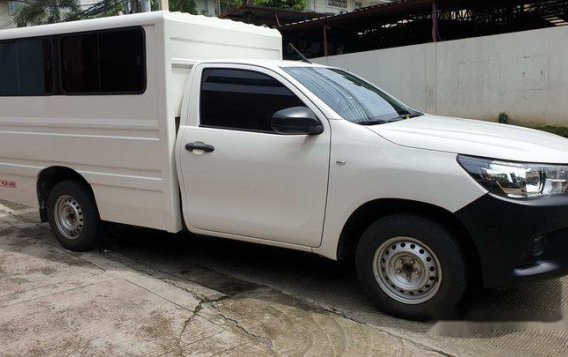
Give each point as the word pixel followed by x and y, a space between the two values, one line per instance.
pixel 351 97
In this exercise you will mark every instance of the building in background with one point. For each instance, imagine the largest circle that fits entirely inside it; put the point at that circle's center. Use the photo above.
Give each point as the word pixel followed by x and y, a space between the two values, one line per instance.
pixel 9 9
pixel 314 8
pixel 340 6
pixel 247 12
pixel 268 16
pixel 412 22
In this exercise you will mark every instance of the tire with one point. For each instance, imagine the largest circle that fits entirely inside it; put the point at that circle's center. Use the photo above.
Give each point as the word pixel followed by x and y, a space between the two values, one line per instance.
pixel 73 216
pixel 411 267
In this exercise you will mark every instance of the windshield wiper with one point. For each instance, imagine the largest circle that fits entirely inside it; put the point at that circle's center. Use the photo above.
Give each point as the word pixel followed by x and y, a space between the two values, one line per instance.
pixel 404 116
pixel 372 122
pixel 384 121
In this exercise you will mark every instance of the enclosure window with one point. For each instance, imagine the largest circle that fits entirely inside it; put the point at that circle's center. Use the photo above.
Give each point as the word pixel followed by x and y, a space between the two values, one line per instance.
pixel 26 67
pixel 104 62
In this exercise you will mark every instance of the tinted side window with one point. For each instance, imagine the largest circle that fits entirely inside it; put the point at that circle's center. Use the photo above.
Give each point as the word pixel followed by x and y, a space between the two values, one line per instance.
pixel 242 99
pixel 104 62
pixel 121 57
pixel 25 67
pixel 80 66
pixel 34 66
pixel 8 69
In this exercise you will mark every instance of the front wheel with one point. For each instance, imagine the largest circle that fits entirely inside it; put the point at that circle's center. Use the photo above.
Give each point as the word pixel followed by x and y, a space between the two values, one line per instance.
pixel 73 216
pixel 411 267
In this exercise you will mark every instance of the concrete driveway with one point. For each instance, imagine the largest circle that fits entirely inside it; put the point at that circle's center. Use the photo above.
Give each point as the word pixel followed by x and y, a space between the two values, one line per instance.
pixel 150 293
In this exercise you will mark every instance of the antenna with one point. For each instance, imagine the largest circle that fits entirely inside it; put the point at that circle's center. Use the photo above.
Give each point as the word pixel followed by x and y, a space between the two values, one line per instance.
pixel 304 59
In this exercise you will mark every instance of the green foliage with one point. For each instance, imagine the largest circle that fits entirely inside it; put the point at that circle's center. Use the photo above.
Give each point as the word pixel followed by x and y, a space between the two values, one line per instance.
pixel 37 12
pixel 183 6
pixel 298 5
pixel 229 5
pixel 503 118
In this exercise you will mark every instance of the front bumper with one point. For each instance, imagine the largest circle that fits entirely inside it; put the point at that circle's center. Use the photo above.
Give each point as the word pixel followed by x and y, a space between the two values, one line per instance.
pixel 504 232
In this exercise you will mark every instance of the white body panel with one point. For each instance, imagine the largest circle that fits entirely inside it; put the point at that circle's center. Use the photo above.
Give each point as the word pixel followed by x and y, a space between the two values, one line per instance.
pixel 378 169
pixel 477 138
pixel 123 145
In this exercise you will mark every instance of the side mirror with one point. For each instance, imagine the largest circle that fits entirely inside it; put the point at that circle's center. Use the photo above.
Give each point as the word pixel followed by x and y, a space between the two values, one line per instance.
pixel 296 120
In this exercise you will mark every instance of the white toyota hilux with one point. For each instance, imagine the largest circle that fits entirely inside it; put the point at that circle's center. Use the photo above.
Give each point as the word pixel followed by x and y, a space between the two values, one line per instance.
pixel 289 154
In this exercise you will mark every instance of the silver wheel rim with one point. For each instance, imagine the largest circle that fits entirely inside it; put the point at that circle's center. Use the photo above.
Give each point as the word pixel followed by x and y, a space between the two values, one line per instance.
pixel 407 270
pixel 69 217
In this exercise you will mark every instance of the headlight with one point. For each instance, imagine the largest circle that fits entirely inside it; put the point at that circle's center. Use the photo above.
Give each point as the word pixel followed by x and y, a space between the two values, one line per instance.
pixel 517 180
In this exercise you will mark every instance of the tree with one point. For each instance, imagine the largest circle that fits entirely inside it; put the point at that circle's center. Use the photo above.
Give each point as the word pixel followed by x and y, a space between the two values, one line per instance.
pixel 299 5
pixel 37 12
pixel 229 5
pixel 183 6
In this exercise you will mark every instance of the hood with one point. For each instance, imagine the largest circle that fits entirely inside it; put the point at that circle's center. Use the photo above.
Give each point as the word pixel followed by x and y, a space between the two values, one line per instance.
pixel 476 138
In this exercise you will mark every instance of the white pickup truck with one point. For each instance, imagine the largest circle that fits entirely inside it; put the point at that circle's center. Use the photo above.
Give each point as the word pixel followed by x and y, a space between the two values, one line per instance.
pixel 139 120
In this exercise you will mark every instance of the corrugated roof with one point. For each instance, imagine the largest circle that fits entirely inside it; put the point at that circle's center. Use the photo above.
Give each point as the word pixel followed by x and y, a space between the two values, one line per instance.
pixel 274 15
pixel 376 11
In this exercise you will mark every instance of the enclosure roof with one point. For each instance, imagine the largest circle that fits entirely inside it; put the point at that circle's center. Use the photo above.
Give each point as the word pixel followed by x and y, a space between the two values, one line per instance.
pixel 140 19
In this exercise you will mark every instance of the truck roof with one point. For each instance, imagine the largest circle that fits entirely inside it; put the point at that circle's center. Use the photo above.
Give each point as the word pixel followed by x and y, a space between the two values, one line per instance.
pixel 133 20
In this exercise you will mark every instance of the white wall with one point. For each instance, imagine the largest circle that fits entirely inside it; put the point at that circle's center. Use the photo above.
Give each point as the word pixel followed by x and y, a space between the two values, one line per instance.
pixel 524 74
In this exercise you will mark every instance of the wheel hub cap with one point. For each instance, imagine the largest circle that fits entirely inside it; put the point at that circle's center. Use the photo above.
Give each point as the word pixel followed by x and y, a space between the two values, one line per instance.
pixel 407 270
pixel 69 217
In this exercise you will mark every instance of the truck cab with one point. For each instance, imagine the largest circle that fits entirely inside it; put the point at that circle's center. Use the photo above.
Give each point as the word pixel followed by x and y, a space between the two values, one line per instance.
pixel 315 158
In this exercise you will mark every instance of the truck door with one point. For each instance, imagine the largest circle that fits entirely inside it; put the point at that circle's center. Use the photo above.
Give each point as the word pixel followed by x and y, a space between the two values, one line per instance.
pixel 238 176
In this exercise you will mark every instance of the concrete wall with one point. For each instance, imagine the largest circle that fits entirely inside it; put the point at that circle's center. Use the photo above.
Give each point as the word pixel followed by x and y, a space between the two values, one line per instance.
pixel 524 74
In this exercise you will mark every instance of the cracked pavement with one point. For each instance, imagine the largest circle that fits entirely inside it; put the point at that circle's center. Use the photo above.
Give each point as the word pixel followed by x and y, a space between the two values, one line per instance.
pixel 145 292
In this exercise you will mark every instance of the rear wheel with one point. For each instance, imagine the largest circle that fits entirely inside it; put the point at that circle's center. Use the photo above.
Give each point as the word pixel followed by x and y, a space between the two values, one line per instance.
pixel 411 267
pixel 73 216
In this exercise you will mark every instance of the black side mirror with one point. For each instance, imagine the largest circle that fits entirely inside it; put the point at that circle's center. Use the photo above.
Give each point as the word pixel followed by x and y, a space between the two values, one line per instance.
pixel 296 120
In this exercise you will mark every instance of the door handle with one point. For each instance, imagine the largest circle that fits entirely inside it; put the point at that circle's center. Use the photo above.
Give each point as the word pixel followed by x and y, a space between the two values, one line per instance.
pixel 199 146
